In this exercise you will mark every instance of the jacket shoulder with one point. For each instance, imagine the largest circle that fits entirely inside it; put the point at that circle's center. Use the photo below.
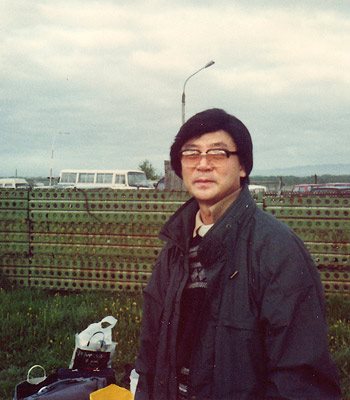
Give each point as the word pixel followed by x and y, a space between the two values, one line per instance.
pixel 267 229
pixel 280 255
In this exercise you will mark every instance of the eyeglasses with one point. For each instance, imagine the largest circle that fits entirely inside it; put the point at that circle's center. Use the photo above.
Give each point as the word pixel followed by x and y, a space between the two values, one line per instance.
pixel 193 157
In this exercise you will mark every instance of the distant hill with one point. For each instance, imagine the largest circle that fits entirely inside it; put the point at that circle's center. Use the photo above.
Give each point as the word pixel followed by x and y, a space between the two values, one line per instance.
pixel 306 170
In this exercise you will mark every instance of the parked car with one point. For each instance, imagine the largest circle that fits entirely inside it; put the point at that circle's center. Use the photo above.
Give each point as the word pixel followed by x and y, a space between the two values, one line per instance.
pixel 160 185
pixel 321 187
pixel 14 183
pixel 257 188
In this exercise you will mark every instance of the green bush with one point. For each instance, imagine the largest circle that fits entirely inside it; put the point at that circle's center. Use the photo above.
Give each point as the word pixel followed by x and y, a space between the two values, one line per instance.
pixel 38 327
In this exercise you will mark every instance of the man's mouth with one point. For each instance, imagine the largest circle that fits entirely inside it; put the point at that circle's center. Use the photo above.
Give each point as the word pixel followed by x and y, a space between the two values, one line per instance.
pixel 202 181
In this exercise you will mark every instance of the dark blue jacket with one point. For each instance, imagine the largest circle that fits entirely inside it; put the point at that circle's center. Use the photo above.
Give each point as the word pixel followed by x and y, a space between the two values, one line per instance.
pixel 262 332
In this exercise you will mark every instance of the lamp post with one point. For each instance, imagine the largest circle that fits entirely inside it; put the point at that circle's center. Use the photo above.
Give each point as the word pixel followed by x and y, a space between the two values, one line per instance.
pixel 52 152
pixel 209 64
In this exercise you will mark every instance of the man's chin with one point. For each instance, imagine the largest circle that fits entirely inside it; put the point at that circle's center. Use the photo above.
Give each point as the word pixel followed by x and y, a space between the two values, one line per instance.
pixel 205 196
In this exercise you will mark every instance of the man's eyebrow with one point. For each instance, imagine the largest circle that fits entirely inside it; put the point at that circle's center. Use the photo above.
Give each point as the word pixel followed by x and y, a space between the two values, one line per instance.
pixel 219 144
pixel 213 145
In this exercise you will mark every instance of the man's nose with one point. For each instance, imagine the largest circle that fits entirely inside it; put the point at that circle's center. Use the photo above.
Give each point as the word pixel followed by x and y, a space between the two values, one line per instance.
pixel 203 163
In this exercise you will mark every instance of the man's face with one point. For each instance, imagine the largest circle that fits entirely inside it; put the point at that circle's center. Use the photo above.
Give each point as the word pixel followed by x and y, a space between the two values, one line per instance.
pixel 211 181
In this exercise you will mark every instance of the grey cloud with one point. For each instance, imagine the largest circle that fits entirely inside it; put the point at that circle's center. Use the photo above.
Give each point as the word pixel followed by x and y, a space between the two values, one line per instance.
pixel 112 76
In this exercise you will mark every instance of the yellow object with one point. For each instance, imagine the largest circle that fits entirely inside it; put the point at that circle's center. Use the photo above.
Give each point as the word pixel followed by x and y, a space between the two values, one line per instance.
pixel 112 392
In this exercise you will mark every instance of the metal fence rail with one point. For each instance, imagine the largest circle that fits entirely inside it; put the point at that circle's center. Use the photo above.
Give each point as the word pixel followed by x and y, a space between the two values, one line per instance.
pixel 323 223
pixel 108 239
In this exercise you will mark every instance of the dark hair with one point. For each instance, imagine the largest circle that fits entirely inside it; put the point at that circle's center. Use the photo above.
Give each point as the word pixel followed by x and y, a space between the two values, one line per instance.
pixel 213 120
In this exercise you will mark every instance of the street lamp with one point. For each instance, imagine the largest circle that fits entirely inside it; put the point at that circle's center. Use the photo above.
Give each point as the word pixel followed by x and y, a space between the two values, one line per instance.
pixel 52 151
pixel 209 64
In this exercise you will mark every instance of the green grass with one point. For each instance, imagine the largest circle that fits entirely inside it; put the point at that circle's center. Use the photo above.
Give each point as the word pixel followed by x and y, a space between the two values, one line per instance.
pixel 38 327
pixel 338 312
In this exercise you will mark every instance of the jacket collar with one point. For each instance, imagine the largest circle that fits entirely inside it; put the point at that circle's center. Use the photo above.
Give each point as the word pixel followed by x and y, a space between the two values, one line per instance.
pixel 179 228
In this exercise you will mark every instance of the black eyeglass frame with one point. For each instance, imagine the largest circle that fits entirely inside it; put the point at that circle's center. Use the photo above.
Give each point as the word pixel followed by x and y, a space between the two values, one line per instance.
pixel 200 153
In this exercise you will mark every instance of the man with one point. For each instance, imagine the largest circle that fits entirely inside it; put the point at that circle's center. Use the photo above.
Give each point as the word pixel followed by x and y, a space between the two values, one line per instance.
pixel 234 308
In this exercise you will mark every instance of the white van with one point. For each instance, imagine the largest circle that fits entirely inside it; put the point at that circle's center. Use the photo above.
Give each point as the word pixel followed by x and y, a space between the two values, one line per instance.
pixel 257 188
pixel 114 179
pixel 14 183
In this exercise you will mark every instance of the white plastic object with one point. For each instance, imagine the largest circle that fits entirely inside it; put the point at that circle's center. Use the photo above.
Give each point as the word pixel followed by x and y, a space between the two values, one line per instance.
pixel 37 380
pixel 134 378
pixel 97 337
pixel 104 326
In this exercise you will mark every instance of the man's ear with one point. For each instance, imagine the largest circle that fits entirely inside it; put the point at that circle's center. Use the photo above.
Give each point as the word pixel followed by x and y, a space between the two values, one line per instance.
pixel 242 172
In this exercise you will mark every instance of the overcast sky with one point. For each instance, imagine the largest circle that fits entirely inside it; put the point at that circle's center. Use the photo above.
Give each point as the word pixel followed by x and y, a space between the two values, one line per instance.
pixel 111 73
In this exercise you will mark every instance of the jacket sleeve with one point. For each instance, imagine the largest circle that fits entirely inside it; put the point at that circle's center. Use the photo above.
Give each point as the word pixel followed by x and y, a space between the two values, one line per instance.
pixel 293 316
pixel 153 303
